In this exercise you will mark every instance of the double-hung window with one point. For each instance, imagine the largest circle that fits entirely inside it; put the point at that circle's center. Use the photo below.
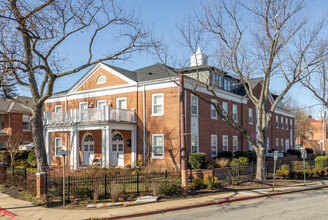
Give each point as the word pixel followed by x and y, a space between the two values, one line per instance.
pixel 282 145
pixel 58 108
pixel 214 114
pixel 277 144
pixel 234 143
pixel 250 116
pixel 194 105
pixel 277 121
pixel 101 103
pixel 26 123
pixel 225 83
pixel 158 146
pixel 225 146
pixel 225 108
pixel 214 145
pixel 282 122
pixel 58 146
pixel 194 144
pixel 157 108
pixel 287 144
pixel 235 113
pixel 2 121
pixel 286 124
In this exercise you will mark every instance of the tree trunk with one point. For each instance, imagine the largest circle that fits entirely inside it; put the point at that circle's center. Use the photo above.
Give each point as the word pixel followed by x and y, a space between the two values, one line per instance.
pixel 37 131
pixel 260 164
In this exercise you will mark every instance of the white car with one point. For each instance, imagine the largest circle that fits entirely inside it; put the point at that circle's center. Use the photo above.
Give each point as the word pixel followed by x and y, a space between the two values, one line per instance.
pixel 29 146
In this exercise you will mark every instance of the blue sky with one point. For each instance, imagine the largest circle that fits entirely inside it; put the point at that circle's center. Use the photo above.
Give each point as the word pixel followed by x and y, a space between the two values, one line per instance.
pixel 162 15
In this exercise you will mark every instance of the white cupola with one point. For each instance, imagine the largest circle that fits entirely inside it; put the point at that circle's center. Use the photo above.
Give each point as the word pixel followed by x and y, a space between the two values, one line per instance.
pixel 198 58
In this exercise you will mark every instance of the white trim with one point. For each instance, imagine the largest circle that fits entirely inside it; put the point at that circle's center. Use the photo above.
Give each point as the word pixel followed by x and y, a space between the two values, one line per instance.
pixel 120 99
pixel 213 108
pixel 100 100
pixel 223 136
pixel 101 77
pixel 80 103
pixel 216 145
pixel 152 104
pixel 191 97
pixel 82 147
pixel 29 123
pixel 234 105
pixel 58 138
pixel 61 106
pixel 152 146
pixel 283 112
pixel 249 111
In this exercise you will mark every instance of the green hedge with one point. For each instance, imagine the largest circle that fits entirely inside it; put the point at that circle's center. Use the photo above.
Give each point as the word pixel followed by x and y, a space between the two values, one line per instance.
pixel 321 162
pixel 197 160
pixel 225 154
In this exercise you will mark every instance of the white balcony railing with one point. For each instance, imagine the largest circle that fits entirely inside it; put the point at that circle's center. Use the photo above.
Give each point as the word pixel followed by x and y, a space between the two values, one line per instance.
pixel 89 115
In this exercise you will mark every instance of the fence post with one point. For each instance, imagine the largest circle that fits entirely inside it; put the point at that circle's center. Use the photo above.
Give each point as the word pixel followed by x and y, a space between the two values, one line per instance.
pixel 137 183
pixel 24 173
pixel 105 186
pixel 68 188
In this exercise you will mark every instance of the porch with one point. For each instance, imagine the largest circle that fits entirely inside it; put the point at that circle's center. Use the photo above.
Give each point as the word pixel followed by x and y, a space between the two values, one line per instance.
pixel 108 145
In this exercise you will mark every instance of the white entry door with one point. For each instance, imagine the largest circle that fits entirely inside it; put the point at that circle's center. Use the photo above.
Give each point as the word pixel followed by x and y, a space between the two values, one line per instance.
pixel 88 150
pixel 117 150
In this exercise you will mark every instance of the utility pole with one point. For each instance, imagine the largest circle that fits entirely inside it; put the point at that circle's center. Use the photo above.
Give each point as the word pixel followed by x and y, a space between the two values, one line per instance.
pixel 323 130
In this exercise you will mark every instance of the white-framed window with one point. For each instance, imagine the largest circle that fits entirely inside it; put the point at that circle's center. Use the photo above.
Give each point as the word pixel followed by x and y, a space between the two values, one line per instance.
pixel 157 146
pixel 234 143
pixel 83 105
pixel 282 122
pixel 235 113
pixel 193 105
pixel 157 107
pixel 282 145
pixel 101 79
pixel 229 86
pixel 194 143
pixel 225 145
pixel 277 144
pixel 291 124
pixel 225 108
pixel 101 103
pixel 277 121
pixel 287 144
pixel 220 82
pixel 225 83
pixel 26 123
pixel 58 108
pixel 250 116
pixel 121 103
pixel 58 146
pixel 214 114
pixel 2 121
pixel 214 145
pixel 286 124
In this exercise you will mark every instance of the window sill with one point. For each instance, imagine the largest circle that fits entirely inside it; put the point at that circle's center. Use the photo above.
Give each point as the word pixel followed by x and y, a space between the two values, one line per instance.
pixel 157 158
pixel 214 118
pixel 157 115
pixel 26 130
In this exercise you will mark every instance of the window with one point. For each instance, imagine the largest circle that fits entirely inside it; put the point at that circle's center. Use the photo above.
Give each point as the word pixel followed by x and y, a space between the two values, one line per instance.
pixel 58 146
pixel 282 122
pixel 277 121
pixel 121 103
pixel 277 144
pixel 194 144
pixel 83 105
pixel 157 104
pixel 234 143
pixel 225 84
pixel 158 146
pixel 235 113
pixel 287 144
pixel 101 80
pixel 250 116
pixel 214 146
pixel 214 114
pixel 26 123
pixel 58 108
pixel 225 146
pixel 291 124
pixel 220 81
pixel 229 86
pixel 214 79
pixel 250 147
pixel 286 123
pixel 101 103
pixel 225 108
pixel 2 121
pixel 194 105
pixel 282 145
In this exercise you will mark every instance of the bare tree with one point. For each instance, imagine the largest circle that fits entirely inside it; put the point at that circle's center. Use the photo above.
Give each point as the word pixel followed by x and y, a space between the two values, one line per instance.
pixel 12 145
pixel 32 33
pixel 266 39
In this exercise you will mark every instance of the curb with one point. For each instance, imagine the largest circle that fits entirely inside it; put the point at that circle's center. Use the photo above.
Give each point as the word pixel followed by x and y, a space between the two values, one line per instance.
pixel 202 204
pixel 7 213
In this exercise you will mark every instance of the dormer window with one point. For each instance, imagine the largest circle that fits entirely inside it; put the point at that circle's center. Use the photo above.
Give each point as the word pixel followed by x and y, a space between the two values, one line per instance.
pixel 101 80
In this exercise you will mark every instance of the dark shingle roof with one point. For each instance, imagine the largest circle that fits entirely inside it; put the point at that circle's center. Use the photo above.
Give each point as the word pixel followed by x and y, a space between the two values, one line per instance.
pixel 156 71
pixel 130 74
pixel 13 106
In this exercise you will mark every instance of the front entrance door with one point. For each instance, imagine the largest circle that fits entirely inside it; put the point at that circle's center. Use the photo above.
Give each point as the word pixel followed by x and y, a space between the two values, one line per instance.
pixel 117 149
pixel 88 150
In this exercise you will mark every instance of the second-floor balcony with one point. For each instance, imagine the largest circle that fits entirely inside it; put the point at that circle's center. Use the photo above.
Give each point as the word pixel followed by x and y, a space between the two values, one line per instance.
pixel 91 115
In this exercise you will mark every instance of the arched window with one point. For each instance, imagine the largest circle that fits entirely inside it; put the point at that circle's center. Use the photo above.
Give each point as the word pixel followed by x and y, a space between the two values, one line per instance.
pixel 117 137
pixel 101 79
pixel 89 137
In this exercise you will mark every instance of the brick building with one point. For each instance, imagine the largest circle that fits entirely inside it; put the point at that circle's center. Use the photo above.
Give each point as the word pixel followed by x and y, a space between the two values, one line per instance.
pixel 116 117
pixel 15 119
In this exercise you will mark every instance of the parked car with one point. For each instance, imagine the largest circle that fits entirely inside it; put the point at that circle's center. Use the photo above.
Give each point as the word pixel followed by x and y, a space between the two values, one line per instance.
pixel 29 146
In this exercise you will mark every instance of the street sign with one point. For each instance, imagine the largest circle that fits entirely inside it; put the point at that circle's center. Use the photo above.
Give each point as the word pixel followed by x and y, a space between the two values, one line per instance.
pixel 64 153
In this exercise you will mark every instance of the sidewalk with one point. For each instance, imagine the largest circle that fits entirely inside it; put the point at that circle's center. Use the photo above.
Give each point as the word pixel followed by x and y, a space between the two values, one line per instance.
pixel 25 210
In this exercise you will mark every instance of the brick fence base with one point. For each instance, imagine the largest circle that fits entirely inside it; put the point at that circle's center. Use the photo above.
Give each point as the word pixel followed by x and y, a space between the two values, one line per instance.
pixel 40 184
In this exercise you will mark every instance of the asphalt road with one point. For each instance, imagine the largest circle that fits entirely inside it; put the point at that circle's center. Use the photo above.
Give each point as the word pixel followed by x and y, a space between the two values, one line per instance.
pixel 303 205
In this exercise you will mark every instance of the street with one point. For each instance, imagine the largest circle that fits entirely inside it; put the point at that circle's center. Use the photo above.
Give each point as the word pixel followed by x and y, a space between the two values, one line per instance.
pixel 303 205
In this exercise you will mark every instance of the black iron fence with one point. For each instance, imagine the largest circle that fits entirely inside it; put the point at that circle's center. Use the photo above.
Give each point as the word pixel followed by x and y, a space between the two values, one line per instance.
pixel 22 178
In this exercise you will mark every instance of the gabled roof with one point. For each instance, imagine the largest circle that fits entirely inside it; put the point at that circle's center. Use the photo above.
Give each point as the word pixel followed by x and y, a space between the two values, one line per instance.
pixel 7 106
pixel 130 74
pixel 156 71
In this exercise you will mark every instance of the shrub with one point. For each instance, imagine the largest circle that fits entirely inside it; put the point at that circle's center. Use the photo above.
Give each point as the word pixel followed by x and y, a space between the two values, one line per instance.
pixel 215 163
pixel 197 160
pixel 298 165
pixel 283 173
pixel 241 154
pixel 321 162
pixel 309 150
pixel 114 191
pixel 294 152
pixel 31 158
pixel 170 187
pixel 285 167
pixel 240 163
pixel 233 180
pixel 211 182
pixel 251 156
pixel 225 154
pixel 198 184
pixel 326 170
pixel 84 191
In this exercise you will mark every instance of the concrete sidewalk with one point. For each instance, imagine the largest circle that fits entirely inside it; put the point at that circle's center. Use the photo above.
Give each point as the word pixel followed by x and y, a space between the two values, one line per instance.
pixel 25 210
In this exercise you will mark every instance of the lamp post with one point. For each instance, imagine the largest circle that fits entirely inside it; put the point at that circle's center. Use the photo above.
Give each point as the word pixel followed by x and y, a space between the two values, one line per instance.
pixel 64 154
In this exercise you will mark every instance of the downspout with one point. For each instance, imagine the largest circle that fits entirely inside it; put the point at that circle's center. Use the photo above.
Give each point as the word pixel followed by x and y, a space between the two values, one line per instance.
pixel 144 122
pixel 183 159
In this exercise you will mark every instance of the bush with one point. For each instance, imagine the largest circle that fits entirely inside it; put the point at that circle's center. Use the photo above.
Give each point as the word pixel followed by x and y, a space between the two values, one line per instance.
pixel 321 162
pixel 197 160
pixel 31 159
pixel 309 150
pixel 285 167
pixel 211 182
pixel 251 156
pixel 225 154
pixel 326 170
pixel 283 173
pixel 198 184
pixel 298 165
pixel 240 163
pixel 241 154
pixel 215 163
pixel 170 187
pixel 294 152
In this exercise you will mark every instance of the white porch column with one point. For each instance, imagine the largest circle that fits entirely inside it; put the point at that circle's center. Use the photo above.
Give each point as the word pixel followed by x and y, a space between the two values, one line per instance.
pixel 108 146
pixel 75 149
pixel 103 147
pixel 134 146
pixel 47 143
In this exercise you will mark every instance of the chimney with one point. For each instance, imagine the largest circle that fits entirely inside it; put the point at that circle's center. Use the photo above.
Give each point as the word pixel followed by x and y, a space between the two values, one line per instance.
pixel 198 58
